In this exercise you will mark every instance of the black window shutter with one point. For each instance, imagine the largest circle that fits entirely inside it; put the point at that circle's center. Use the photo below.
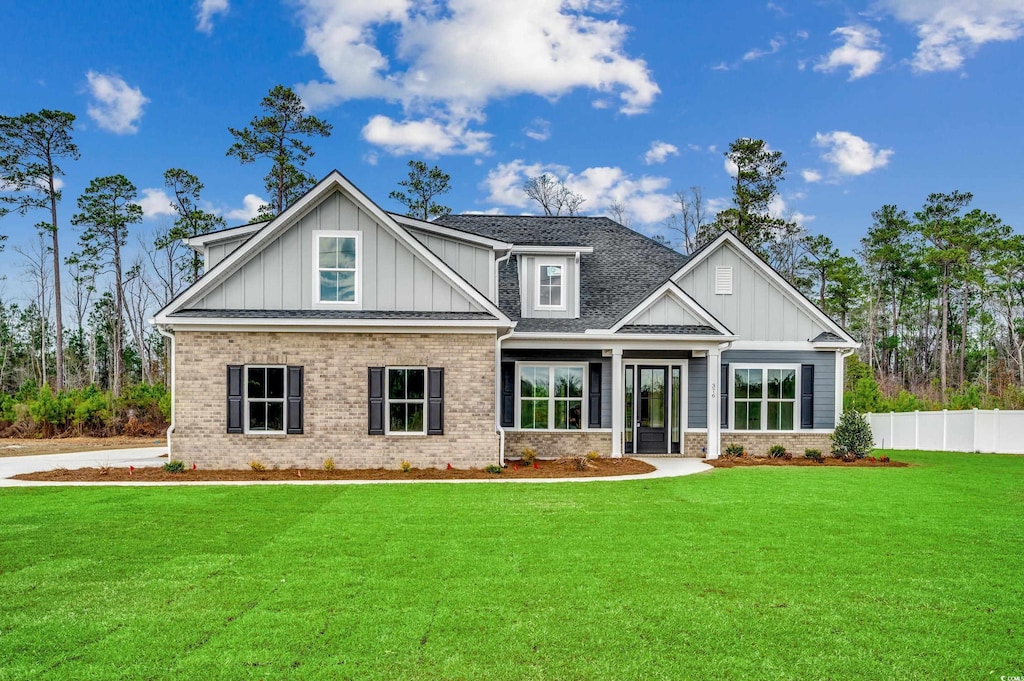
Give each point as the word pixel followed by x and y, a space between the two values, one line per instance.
pixel 435 401
pixel 508 394
pixel 235 398
pixel 295 406
pixel 723 392
pixel 594 406
pixel 376 400
pixel 807 396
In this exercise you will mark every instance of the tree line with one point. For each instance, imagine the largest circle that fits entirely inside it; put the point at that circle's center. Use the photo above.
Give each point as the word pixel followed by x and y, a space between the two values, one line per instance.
pixel 936 295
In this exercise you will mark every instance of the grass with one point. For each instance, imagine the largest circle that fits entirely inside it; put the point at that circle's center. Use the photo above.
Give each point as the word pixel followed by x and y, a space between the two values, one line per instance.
pixel 759 573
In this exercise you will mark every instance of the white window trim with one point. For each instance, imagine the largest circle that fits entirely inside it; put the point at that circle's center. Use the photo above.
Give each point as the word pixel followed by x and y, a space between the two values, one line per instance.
pixel 551 366
pixel 562 289
pixel 387 402
pixel 357 302
pixel 245 399
pixel 764 396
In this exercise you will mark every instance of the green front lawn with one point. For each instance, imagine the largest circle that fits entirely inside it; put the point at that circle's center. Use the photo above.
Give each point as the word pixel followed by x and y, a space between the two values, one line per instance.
pixel 759 573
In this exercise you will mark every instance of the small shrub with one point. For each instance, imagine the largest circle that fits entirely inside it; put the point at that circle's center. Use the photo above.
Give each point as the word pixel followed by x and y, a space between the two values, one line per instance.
pixel 852 438
pixel 884 459
pixel 174 466
pixel 529 455
pixel 104 470
pixel 814 455
pixel 593 455
pixel 494 468
pixel 406 465
pixel 734 450
pixel 257 465
pixel 777 452
pixel 329 464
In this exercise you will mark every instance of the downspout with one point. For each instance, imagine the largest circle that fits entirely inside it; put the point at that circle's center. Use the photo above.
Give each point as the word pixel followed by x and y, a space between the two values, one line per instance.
pixel 497 365
pixel 170 429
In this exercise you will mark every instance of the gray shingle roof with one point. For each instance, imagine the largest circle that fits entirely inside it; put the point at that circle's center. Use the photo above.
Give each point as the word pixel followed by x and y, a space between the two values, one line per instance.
pixel 828 337
pixel 676 329
pixel 330 314
pixel 624 268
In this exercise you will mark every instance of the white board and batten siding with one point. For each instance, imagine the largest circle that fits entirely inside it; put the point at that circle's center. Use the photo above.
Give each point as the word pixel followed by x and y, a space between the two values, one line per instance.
pixel 218 251
pixel 281 275
pixel 666 310
pixel 474 263
pixel 756 309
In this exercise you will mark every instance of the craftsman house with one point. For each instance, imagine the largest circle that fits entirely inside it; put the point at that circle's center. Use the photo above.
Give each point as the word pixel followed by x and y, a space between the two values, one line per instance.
pixel 340 330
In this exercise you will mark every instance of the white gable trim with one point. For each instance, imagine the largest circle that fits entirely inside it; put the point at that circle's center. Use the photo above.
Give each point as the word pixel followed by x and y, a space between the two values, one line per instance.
pixel 448 232
pixel 774 277
pixel 197 243
pixel 274 228
pixel 670 288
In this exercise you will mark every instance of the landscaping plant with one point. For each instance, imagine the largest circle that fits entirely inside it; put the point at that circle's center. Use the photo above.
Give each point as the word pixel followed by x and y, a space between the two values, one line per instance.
pixel 852 438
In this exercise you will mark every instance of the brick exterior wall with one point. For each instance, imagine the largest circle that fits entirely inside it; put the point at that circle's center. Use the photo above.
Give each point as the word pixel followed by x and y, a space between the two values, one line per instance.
pixel 553 445
pixel 335 399
pixel 694 444
pixel 795 442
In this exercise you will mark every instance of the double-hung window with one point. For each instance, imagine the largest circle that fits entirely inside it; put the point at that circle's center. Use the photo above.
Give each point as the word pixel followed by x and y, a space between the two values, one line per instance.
pixel 550 289
pixel 407 400
pixel 765 398
pixel 551 397
pixel 265 399
pixel 337 268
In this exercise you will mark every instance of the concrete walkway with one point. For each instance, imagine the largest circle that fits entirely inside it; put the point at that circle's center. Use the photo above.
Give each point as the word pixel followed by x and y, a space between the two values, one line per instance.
pixel 151 456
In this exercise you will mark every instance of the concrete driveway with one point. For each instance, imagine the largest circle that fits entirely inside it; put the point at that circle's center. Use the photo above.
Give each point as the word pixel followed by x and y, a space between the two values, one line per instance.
pixel 120 458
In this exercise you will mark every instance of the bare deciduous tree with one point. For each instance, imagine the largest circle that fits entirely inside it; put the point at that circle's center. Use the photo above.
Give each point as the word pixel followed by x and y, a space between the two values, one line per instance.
pixel 553 196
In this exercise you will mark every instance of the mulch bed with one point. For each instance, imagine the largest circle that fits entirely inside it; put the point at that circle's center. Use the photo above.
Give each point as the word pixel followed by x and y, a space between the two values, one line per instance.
pixel 515 470
pixel 740 462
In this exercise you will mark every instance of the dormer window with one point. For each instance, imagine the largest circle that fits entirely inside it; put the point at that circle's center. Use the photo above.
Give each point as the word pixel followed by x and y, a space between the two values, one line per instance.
pixel 550 288
pixel 336 277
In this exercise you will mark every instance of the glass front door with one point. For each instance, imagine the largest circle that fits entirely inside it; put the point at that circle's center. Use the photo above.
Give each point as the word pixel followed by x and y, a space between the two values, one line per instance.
pixel 652 410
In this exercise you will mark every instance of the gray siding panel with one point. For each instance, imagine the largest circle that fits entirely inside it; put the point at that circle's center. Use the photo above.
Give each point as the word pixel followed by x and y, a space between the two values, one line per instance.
pixel 757 309
pixel 217 252
pixel 666 310
pixel 473 263
pixel 697 393
pixel 824 375
pixel 393 277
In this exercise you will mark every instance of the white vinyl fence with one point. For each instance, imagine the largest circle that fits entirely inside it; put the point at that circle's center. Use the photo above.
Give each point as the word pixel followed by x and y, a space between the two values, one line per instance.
pixel 976 430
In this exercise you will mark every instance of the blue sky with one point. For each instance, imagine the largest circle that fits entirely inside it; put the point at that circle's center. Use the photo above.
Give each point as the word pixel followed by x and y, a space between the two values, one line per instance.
pixel 870 102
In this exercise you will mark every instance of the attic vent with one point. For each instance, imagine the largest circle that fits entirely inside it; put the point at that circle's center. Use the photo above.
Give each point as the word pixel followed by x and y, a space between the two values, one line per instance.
pixel 723 281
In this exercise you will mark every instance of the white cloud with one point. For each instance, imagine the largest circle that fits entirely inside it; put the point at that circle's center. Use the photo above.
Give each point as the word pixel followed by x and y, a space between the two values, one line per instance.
pixel 731 167
pixel 539 130
pixel 207 10
pixel 116 107
pixel 645 197
pixel 860 51
pixel 774 45
pixel 447 59
pixel 803 35
pixel 659 152
pixel 427 136
pixel 810 175
pixel 778 208
pixel 721 66
pixel 156 202
pixel 249 210
pixel 850 154
pixel 952 30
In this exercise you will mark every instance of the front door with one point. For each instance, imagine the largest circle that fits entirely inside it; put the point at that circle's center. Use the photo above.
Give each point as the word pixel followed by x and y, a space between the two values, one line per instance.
pixel 652 408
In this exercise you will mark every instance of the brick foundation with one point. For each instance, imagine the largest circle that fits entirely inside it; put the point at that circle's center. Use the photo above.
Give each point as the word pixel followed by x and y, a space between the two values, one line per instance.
pixel 554 445
pixel 694 445
pixel 335 401
pixel 795 442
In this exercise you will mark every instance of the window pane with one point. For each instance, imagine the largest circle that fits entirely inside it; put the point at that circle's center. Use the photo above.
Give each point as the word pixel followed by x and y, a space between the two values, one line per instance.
pixel 415 384
pixel 786 416
pixel 396 414
pixel 753 416
pixel 346 252
pixel 676 400
pixel 789 384
pixel 551 275
pixel 575 414
pixel 275 415
pixel 257 383
pixel 569 382
pixel 275 383
pixel 755 379
pixel 541 381
pixel 534 414
pixel 328 252
pixel 415 418
pixel 257 416
pixel 329 286
pixel 556 295
pixel 774 384
pixel 773 415
pixel 545 295
pixel 740 385
pixel 629 404
pixel 346 287
pixel 396 384
pixel 561 414
pixel 739 419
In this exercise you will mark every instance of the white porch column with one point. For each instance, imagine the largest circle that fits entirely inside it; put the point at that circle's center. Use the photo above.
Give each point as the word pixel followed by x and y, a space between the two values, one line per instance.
pixel 714 417
pixel 618 402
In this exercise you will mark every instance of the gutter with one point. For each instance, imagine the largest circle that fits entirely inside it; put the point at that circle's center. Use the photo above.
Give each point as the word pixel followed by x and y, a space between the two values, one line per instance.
pixel 170 428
